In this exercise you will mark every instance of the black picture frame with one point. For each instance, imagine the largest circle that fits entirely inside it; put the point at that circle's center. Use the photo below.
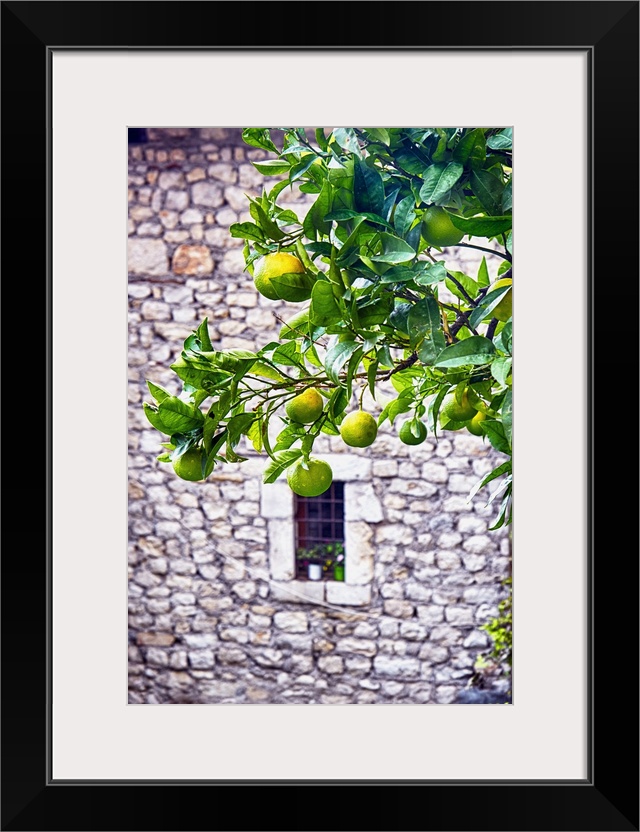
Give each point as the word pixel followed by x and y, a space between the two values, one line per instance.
pixel 608 799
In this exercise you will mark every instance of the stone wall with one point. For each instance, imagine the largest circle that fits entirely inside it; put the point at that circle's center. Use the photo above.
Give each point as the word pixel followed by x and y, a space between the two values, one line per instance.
pixel 215 614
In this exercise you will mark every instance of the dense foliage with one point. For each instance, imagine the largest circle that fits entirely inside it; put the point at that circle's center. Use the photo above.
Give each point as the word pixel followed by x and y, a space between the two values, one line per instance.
pixel 378 301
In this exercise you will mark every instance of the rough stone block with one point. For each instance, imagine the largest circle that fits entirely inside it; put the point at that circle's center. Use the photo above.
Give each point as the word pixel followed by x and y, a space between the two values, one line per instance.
pixel 347 594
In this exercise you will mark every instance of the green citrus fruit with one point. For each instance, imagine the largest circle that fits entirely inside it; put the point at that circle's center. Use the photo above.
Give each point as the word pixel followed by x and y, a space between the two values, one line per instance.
pixel 456 411
pixel 305 407
pixel 407 436
pixel 271 267
pixel 189 465
pixel 359 429
pixel 311 481
pixel 437 228
pixel 503 310
pixel 473 425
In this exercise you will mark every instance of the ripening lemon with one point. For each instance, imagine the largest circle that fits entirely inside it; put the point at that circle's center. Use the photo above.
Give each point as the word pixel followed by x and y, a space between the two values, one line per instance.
pixel 311 481
pixel 189 465
pixel 359 429
pixel 437 228
pixel 270 267
pixel 460 411
pixel 407 435
pixel 473 425
pixel 504 309
pixel 305 407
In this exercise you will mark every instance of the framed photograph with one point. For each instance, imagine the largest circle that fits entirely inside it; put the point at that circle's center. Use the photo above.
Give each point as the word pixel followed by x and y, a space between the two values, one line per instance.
pixel 79 78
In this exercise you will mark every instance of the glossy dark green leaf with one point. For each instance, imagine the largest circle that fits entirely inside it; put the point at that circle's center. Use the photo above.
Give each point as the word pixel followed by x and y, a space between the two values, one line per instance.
pixel 404 215
pixel 488 188
pixel 323 310
pixel 473 350
pixel 503 339
pixel 379 134
pixel 431 273
pixel 500 368
pixel 345 214
pixel 502 140
pixel 395 250
pixel 471 148
pixel 299 169
pixel 507 198
pixel 438 180
pixel 468 284
pixel 495 433
pixel 368 189
pixel 487 305
pixel 337 357
pixel 425 329
pixel 267 225
pixel 481 226
pixel 507 416
pixel 500 470
pixel 398 318
pixel 203 336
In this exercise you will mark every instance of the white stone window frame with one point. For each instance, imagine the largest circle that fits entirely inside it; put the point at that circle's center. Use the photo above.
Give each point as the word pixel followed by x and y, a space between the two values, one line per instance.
pixel 362 510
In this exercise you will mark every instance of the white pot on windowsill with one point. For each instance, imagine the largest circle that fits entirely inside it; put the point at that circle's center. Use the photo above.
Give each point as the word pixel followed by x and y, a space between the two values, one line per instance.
pixel 314 571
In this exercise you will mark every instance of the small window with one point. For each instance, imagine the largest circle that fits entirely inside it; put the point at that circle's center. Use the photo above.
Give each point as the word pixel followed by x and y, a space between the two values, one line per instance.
pixel 320 535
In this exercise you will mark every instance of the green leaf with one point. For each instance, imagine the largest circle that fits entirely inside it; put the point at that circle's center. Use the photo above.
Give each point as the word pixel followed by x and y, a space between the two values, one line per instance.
pixel 496 435
pixel 368 188
pixel 158 393
pixel 507 198
pixel 487 305
pixel 266 224
pixel 282 460
pixel 502 140
pixel 423 321
pixel 254 434
pixel 471 148
pixel 179 416
pixel 264 370
pixel 438 181
pixel 500 368
pixel 237 425
pixel 246 231
pixel 404 215
pixel 337 357
pixel 154 417
pixel 345 214
pixel 301 168
pixel 372 371
pixel 483 273
pixel 346 138
pixel 504 468
pixel 259 137
pixel 324 310
pixel 379 134
pixel 507 416
pixel 395 250
pixel 503 339
pixel 217 442
pixel 398 318
pixel 468 284
pixel 203 336
pixel 488 188
pixel 272 167
pixel 481 226
pixel 473 350
pixel 318 212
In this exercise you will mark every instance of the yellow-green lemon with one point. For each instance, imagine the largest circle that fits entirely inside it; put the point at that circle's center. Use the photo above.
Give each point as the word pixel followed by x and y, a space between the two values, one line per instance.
pixel 310 479
pixel 305 407
pixel 359 429
pixel 189 465
pixel 437 228
pixel 473 425
pixel 457 411
pixel 271 267
pixel 407 435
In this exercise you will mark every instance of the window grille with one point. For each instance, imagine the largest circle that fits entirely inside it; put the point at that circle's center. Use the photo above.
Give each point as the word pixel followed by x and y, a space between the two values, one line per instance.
pixel 319 523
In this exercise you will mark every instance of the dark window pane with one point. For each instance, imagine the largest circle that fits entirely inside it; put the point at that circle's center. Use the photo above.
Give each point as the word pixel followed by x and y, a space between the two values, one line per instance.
pixel 319 521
